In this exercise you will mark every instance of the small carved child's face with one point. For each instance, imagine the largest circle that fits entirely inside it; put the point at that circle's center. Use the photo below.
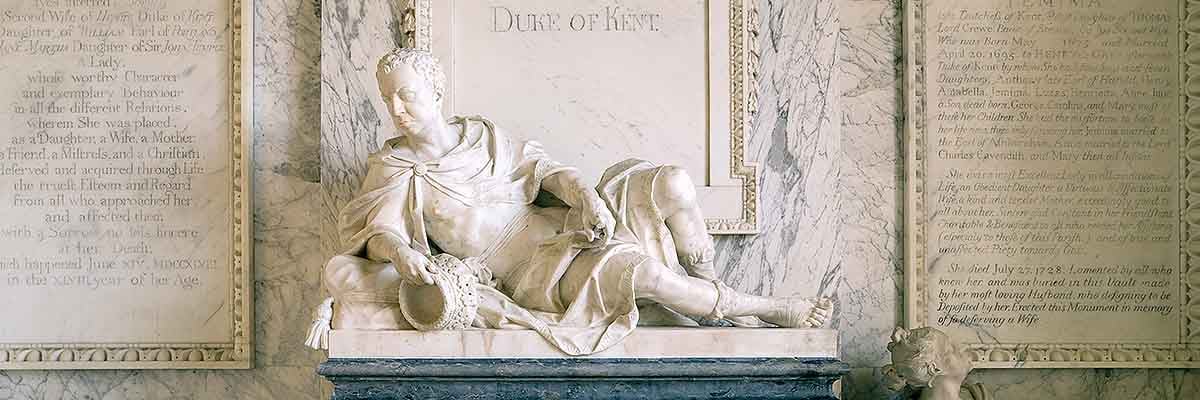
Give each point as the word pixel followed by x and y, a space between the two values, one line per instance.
pixel 922 355
pixel 410 100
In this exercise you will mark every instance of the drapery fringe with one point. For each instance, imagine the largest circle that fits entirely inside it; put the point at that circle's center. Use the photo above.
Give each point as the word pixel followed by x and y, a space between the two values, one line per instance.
pixel 318 333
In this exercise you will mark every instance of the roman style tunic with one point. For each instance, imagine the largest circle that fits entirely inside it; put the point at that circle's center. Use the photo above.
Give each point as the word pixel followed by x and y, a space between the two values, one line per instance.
pixel 579 297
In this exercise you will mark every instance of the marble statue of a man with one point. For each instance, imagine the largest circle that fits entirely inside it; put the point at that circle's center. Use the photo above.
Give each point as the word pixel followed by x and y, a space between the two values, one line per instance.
pixel 571 261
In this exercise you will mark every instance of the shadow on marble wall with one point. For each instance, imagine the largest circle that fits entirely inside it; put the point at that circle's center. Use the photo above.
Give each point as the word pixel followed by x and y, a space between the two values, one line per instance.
pixel 356 35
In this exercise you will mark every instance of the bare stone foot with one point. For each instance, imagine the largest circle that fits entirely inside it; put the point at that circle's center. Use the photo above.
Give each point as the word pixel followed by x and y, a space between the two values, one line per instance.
pixel 799 312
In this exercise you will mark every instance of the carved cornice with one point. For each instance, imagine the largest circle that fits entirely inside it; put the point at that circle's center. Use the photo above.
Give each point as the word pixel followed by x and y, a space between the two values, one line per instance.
pixel 1041 355
pixel 104 356
pixel 743 105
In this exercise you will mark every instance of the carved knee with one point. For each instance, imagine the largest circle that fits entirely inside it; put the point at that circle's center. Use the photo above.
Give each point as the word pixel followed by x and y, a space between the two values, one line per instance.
pixel 348 274
pixel 674 189
pixel 648 278
pixel 342 272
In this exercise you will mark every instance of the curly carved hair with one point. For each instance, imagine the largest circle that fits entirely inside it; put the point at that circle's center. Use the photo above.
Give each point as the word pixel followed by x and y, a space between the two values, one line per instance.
pixel 421 61
pixel 917 353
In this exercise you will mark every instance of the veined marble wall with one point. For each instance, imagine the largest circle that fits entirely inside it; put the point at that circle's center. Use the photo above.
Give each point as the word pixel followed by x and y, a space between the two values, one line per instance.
pixel 827 138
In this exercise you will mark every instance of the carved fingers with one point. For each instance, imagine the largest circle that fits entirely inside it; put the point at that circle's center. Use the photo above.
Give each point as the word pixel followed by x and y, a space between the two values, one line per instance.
pixel 599 223
pixel 413 267
pixel 821 311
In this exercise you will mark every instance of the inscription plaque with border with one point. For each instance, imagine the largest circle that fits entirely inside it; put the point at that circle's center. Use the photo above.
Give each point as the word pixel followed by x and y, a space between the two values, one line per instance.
pixel 126 241
pixel 1051 213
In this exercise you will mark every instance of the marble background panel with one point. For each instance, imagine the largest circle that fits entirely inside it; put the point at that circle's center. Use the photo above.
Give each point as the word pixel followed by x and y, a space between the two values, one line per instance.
pixel 871 65
pixel 827 137
pixel 287 259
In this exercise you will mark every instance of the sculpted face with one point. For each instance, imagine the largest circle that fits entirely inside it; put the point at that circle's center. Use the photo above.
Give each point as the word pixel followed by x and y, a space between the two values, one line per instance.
pixel 411 102
pixel 921 355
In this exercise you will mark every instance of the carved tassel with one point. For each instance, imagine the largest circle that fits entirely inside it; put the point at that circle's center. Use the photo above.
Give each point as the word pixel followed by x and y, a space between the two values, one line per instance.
pixel 318 333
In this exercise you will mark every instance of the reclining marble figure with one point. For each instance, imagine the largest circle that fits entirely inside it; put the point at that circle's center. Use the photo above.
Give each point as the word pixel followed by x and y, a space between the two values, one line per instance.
pixel 455 215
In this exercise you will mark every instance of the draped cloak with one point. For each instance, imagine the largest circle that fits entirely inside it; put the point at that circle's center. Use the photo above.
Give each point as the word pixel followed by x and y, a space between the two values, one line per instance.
pixel 594 311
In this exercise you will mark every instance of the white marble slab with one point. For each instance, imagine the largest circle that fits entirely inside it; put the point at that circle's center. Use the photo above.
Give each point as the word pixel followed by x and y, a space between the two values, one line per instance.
pixel 645 342
pixel 124 235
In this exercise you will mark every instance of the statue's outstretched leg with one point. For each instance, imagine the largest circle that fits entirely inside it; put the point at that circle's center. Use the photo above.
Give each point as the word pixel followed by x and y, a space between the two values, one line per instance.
pixel 675 197
pixel 693 296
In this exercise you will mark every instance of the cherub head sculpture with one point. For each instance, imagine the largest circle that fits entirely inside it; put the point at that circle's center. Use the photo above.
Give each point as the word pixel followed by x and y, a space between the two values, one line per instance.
pixel 412 85
pixel 923 356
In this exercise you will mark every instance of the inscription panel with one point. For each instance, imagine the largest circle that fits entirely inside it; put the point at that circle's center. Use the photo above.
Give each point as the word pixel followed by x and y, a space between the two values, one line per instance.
pixel 122 184
pixel 1045 169
pixel 598 82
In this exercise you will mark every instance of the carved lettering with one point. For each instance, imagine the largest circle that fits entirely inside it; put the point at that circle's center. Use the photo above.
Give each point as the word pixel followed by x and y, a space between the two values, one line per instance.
pixel 115 170
pixel 1052 149
pixel 604 18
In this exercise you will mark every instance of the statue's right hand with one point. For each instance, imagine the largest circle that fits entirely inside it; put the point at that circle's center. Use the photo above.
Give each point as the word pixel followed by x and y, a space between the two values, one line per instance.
pixel 413 267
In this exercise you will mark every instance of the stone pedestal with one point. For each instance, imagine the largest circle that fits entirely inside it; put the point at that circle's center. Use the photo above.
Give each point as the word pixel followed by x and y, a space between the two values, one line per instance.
pixel 652 363
pixel 583 378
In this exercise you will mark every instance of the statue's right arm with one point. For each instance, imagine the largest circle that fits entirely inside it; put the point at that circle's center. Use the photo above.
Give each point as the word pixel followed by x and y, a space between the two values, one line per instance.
pixel 381 247
pixel 384 247
pixel 411 264
pixel 387 247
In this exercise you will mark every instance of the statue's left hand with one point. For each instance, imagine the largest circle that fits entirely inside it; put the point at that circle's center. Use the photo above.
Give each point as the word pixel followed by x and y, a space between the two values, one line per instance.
pixel 599 222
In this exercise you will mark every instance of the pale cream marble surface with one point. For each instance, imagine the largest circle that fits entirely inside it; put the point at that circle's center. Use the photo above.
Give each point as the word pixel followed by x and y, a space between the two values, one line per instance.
pixel 644 342
pixel 287 260
pixel 834 208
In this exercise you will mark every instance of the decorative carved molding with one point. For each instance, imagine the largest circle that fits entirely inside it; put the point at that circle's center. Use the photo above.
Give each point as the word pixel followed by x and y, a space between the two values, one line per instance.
pixel 1190 189
pixel 915 295
pixel 1185 354
pixel 744 72
pixel 743 103
pixel 102 356
pixel 239 351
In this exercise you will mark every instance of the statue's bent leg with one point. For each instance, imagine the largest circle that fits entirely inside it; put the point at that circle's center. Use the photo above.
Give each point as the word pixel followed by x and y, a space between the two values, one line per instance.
pixel 675 196
pixel 689 295
pixel 364 293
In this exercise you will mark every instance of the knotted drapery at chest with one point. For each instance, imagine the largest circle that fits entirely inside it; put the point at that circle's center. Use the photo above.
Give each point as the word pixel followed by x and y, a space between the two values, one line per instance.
pixel 483 169
pixel 417 175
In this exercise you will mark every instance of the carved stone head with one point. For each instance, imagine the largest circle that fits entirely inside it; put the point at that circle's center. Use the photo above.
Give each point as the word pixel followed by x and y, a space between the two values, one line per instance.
pixel 412 85
pixel 922 355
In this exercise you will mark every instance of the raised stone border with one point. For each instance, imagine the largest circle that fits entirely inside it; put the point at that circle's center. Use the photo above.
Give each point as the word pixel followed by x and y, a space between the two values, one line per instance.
pixel 578 378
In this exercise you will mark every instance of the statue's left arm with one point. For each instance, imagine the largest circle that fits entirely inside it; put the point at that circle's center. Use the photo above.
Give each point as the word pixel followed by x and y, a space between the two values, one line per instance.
pixel 569 187
pixel 563 182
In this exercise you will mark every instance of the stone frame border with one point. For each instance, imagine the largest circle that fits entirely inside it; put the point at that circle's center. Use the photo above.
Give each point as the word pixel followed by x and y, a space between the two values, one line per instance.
pixel 238 352
pixel 1186 353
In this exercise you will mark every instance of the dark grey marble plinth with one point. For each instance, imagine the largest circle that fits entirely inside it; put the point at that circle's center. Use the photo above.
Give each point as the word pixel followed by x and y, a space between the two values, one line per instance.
pixel 642 379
